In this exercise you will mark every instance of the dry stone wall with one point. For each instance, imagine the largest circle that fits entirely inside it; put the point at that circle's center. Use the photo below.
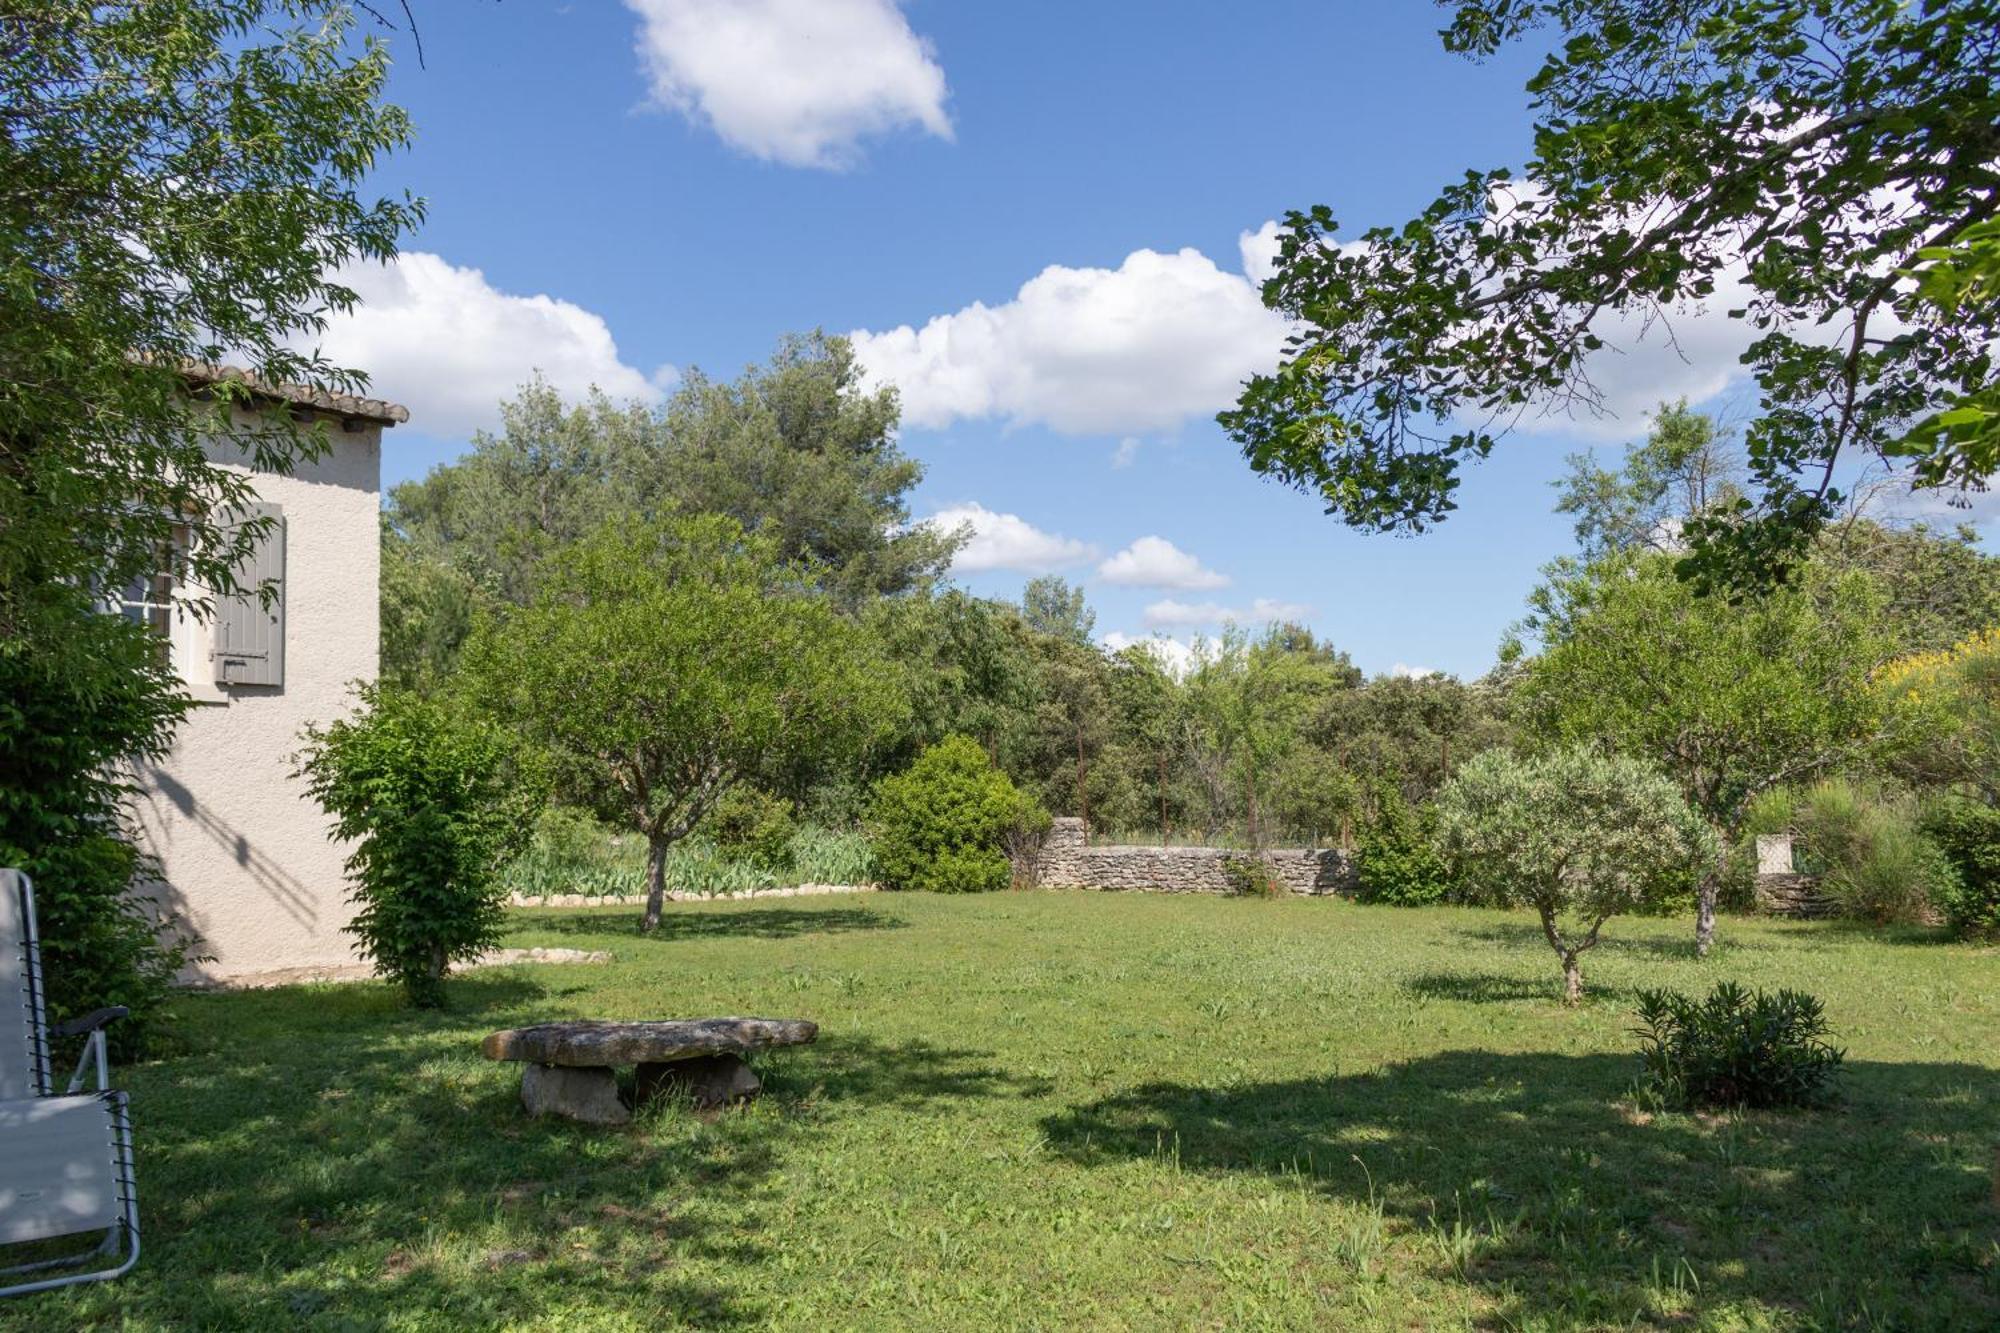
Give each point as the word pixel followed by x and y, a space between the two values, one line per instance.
pixel 1069 862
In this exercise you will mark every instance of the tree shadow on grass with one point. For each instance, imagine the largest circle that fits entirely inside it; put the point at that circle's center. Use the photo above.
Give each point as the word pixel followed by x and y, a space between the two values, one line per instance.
pixel 1527 1176
pixel 766 923
pixel 1500 988
pixel 850 1067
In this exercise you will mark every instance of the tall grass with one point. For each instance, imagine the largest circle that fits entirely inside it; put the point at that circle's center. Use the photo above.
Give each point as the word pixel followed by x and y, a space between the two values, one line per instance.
pixel 574 854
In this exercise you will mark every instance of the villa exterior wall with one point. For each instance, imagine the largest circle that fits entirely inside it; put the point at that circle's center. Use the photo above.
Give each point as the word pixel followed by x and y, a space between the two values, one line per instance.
pixel 247 859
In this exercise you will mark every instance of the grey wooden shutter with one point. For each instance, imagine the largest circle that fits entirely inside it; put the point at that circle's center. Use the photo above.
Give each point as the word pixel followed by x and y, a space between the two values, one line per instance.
pixel 249 634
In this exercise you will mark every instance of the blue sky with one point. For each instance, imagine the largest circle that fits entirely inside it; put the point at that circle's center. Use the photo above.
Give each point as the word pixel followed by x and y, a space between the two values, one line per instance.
pixel 1036 217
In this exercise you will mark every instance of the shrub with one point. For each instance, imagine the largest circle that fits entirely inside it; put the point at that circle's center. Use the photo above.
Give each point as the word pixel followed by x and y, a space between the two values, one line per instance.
pixel 1576 835
pixel 1871 857
pixel 753 825
pixel 1397 856
pixel 1249 875
pixel 941 824
pixel 1967 833
pixel 420 790
pixel 81 693
pixel 1735 1048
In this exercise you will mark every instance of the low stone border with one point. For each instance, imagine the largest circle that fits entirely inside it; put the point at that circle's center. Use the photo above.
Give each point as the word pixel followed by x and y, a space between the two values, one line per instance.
pixel 639 899
pixel 297 976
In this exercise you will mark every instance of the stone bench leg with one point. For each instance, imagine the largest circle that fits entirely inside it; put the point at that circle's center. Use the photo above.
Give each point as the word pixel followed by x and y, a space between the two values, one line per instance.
pixel 706 1080
pixel 586 1094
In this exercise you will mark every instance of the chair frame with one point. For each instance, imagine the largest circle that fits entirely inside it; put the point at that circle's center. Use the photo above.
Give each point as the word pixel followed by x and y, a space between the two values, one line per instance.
pixel 119 1250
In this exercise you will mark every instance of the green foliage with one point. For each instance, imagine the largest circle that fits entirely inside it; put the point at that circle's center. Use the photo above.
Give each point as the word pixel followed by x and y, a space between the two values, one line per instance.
pixel 1684 469
pixel 941 824
pixel 178 181
pixel 1577 835
pixel 664 663
pixel 1865 846
pixel 1676 148
pixel 1735 1048
pixel 832 856
pixel 1397 857
pixel 425 795
pixel 83 694
pixel 797 451
pixel 1052 606
pixel 1730 698
pixel 1968 833
pixel 755 826
pixel 1249 875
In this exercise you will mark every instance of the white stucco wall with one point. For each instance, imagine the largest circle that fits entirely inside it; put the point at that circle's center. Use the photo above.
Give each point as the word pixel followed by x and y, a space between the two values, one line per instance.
pixel 247 860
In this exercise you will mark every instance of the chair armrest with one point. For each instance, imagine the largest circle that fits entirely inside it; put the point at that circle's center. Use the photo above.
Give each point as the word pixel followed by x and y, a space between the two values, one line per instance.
pixel 90 1022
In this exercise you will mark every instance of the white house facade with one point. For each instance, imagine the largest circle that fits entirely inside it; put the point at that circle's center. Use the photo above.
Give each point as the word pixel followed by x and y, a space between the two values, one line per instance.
pixel 247 860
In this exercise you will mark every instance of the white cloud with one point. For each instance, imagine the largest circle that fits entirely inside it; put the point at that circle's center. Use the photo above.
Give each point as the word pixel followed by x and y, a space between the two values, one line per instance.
pixel 1407 672
pixel 1259 249
pixel 1127 452
pixel 1155 562
pixel 448 345
pixel 1008 541
pixel 1170 611
pixel 1176 655
pixel 800 82
pixel 1087 351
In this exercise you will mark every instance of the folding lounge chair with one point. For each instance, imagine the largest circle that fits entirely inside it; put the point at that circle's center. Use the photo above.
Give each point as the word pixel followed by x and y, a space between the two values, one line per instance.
pixel 65 1159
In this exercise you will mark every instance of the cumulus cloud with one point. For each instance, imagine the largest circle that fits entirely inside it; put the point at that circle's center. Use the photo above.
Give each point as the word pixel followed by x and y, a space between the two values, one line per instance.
pixel 1138 349
pixel 1170 611
pixel 1259 249
pixel 1155 562
pixel 1408 672
pixel 1008 541
pixel 448 345
pixel 801 82
pixel 1176 655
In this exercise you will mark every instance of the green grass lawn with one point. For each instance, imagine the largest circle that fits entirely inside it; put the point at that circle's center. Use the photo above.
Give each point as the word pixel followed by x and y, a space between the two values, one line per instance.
pixel 1073 1110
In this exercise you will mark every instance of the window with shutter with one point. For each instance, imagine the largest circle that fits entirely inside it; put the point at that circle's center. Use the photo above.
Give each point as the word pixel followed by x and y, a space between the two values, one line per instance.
pixel 249 645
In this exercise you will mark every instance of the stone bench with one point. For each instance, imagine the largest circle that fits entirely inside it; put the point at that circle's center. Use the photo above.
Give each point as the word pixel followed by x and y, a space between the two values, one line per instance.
pixel 570 1069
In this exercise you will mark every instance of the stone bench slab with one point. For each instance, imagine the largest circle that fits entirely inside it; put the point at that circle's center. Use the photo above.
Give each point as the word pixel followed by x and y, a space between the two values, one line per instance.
pixel 585 1044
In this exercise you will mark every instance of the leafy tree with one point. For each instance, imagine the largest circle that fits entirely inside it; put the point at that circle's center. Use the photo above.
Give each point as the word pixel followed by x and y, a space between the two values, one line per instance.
pixel 1151 719
pixel 179 181
pixel 1072 717
pixel 426 796
pixel 82 695
pixel 1814 153
pixel 796 451
pixel 1051 605
pixel 1684 469
pixel 968 668
pixel 1729 698
pixel 1398 860
pixel 1577 835
pixel 1938 587
pixel 663 663
pixel 1944 711
pixel 942 824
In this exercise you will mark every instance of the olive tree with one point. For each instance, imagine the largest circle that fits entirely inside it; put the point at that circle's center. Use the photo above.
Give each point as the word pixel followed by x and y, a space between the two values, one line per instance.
pixel 663 663
pixel 1577 835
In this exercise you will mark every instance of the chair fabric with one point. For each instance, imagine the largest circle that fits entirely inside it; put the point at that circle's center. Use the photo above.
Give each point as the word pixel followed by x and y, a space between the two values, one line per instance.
pixel 66 1166
pixel 24 1051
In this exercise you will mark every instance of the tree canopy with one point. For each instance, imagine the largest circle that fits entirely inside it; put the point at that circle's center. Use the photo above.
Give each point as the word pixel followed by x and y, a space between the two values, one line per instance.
pixel 1811 155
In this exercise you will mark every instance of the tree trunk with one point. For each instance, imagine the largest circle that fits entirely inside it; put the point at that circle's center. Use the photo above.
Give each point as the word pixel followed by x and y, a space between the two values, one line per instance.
pixel 656 883
pixel 1572 979
pixel 1704 912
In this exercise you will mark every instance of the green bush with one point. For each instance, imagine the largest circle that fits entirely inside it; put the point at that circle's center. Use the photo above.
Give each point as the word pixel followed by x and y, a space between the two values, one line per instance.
pixel 754 826
pixel 571 852
pixel 1735 1048
pixel 942 823
pixel 1397 859
pixel 422 793
pixel 1967 832
pixel 1871 857
pixel 81 693
pixel 1250 876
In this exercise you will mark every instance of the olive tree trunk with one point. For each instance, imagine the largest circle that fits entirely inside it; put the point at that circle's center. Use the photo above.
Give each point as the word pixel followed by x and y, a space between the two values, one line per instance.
pixel 656 882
